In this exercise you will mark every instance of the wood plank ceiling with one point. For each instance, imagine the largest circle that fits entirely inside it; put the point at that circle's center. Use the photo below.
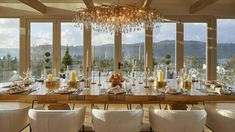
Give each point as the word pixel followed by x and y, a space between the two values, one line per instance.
pixel 217 8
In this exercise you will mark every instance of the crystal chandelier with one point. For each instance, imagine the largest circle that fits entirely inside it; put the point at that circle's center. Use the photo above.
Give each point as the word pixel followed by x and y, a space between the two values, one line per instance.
pixel 114 18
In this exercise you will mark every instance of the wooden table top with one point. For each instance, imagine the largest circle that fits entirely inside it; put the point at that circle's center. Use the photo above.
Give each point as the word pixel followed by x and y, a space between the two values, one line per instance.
pixel 97 94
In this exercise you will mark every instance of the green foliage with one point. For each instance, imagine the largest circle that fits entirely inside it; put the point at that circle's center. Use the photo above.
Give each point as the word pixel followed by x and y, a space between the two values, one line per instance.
pixel 67 59
pixel 230 65
pixel 47 60
pixel 47 54
pixel 167 59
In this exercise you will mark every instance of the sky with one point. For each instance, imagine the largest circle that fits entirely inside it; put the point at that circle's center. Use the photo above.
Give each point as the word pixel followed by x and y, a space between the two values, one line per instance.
pixel 41 33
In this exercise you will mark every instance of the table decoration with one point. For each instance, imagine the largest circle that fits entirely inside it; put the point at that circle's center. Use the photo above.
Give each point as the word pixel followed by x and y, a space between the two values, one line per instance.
pixel 18 89
pixel 187 81
pixel 87 83
pixel 116 79
pixel 64 90
pixel 172 91
pixel 116 90
pixel 160 80
pixel 50 83
pixel 99 84
pixel 73 83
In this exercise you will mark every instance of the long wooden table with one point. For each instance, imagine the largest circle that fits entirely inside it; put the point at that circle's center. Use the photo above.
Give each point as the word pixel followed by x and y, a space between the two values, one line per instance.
pixel 96 94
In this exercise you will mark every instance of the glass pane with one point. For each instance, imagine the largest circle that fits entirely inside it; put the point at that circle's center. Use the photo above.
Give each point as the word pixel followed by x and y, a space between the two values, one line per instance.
pixel 195 46
pixel 133 51
pixel 226 49
pixel 40 45
pixel 164 39
pixel 103 47
pixel 71 38
pixel 9 48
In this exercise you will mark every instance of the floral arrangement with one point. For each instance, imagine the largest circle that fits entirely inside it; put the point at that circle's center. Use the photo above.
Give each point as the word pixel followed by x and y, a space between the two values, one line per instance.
pixel 116 78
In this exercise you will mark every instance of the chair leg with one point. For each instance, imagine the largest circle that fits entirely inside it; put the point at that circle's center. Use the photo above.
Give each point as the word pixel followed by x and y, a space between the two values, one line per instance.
pixel 160 106
pixel 107 106
pixel 73 107
pixel 92 106
pixel 104 106
pixel 151 129
pixel 83 128
pixel 127 106
pixel 32 105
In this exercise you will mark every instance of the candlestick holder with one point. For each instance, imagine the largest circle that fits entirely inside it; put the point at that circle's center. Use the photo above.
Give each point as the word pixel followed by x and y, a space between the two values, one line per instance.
pixel 87 84
pixel 140 78
pixel 146 79
pixel 99 84
pixel 93 78
pixel 133 79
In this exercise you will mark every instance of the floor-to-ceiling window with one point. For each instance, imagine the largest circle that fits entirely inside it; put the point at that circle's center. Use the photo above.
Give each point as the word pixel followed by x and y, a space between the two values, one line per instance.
pixel 72 42
pixel 41 34
pixel 102 52
pixel 164 37
pixel 9 48
pixel 226 49
pixel 133 51
pixel 195 46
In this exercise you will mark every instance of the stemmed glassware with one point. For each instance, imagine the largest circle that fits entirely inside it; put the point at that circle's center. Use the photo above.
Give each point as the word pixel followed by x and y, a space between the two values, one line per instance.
pixel 146 78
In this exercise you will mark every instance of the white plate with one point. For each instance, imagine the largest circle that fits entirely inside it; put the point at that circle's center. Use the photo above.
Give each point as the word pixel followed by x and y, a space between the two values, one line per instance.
pixel 64 91
pixel 17 90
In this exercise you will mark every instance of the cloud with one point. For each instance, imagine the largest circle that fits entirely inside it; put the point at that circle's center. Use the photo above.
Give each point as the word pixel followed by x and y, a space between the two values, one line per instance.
pixel 225 30
pixel 166 31
pixel 71 35
pixel 195 31
pixel 42 33
pixel 9 33
pixel 133 37
pixel 99 38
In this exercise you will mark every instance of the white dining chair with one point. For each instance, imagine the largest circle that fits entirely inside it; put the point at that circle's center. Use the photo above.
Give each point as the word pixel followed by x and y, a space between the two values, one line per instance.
pixel 117 120
pixel 57 120
pixel 177 120
pixel 13 116
pixel 220 119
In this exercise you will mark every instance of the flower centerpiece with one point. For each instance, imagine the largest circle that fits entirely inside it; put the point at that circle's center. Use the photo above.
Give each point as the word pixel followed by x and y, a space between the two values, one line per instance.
pixel 116 79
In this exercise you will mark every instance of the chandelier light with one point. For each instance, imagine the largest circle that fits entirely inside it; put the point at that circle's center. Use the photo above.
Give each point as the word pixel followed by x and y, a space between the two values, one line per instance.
pixel 114 18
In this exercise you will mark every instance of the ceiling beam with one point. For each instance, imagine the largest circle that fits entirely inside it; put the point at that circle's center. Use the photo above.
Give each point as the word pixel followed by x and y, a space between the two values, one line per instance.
pixel 35 4
pixel 146 3
pixel 200 4
pixel 89 3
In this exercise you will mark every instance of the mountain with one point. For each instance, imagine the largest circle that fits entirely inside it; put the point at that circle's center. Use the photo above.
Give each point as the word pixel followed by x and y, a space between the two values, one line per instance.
pixel 191 48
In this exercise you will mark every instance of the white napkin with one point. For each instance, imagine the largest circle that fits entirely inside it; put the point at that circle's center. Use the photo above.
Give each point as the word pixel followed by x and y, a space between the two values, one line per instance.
pixel 15 77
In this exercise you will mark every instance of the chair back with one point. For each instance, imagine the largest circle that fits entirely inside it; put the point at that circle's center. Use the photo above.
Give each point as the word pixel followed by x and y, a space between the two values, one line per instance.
pixel 177 120
pixel 117 121
pixel 220 120
pixel 56 120
pixel 13 116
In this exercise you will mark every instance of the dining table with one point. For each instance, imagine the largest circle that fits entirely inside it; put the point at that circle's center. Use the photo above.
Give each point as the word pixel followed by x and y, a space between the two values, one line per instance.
pixel 137 94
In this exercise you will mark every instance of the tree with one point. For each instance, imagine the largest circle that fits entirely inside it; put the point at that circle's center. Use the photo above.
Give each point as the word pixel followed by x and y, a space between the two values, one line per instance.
pixel 67 59
pixel 167 59
pixel 47 61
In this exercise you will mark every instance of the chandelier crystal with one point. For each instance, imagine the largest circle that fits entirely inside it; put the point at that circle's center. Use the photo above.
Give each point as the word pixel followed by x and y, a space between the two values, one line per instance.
pixel 114 18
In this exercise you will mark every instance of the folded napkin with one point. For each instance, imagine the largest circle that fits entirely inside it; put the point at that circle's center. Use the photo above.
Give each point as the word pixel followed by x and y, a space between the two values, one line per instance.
pixel 116 90
pixel 15 77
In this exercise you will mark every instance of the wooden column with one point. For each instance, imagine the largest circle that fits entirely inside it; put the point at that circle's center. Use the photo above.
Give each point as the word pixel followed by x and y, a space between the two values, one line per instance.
pixel 24 45
pixel 56 47
pixel 211 55
pixel 87 50
pixel 179 47
pixel 117 51
pixel 148 49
